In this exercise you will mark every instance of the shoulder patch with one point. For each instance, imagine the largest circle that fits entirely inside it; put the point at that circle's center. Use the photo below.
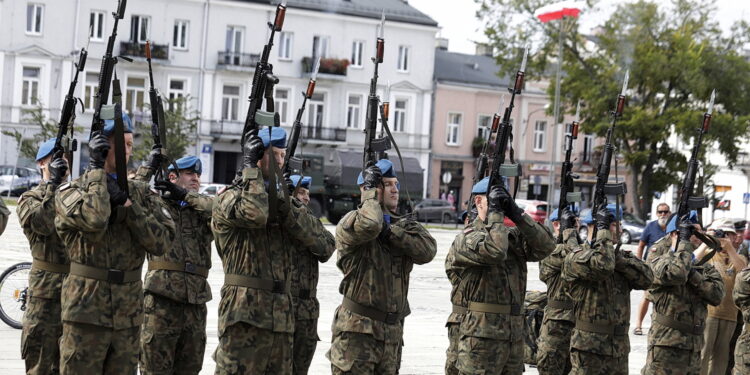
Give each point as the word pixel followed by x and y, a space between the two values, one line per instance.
pixel 64 186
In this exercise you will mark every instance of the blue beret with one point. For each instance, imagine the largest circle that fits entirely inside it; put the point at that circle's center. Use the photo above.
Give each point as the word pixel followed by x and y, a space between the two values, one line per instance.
pixel 672 226
pixel 45 149
pixel 276 136
pixel 589 218
pixel 109 125
pixel 481 186
pixel 306 181
pixel 386 167
pixel 556 213
pixel 188 162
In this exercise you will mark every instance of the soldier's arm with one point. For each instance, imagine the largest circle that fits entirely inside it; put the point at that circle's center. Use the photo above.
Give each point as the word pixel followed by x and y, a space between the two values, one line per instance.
pixel 673 267
pixel 84 208
pixel 143 174
pixel 483 247
pixel 537 239
pixel 741 292
pixel 707 283
pixel 202 204
pixel 636 272
pixel 329 248
pixel 553 264
pixel 150 222
pixel 450 271
pixel 413 240
pixel 4 214
pixel 591 262
pixel 307 230
pixel 243 207
pixel 362 225
pixel 37 213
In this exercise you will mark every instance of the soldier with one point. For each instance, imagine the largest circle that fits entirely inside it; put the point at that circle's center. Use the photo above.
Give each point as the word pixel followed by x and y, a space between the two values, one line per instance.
pixel 106 233
pixel 4 213
pixel 601 279
pixel 490 263
pixel 741 296
pixel 376 252
pixel 256 234
pixel 680 293
pixel 42 326
pixel 173 335
pixel 553 355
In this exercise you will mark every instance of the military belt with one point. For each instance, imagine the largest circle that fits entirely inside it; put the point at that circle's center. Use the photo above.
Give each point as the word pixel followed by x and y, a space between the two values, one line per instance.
pixel 37 264
pixel 493 308
pixel 373 313
pixel 460 309
pixel 186 267
pixel 104 274
pixel 273 286
pixel 558 304
pixel 603 328
pixel 688 329
pixel 304 293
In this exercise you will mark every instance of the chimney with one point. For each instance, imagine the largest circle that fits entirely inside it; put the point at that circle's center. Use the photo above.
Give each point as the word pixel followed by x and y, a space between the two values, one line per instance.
pixel 483 49
pixel 441 44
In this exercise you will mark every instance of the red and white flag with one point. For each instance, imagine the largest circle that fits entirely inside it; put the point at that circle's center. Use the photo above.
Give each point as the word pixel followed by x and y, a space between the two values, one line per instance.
pixel 559 10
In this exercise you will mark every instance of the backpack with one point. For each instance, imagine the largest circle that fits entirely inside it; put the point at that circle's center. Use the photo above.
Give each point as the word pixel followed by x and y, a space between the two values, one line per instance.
pixel 534 306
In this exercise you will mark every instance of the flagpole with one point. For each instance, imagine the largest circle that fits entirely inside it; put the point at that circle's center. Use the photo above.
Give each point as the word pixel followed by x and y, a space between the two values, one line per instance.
pixel 553 126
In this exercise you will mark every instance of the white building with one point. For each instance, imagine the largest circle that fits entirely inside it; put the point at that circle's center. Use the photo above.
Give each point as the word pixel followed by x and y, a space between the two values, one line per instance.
pixel 208 49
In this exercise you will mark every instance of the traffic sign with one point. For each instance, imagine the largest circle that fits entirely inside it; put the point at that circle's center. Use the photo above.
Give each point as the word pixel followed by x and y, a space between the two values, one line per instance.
pixel 746 198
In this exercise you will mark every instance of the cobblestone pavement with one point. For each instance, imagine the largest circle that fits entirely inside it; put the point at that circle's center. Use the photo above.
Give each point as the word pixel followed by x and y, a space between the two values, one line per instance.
pixel 425 334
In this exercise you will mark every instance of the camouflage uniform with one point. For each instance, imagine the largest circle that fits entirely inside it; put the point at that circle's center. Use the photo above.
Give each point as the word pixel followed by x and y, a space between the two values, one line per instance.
pixel 102 297
pixel 491 265
pixel 4 213
pixel 256 320
pixel 741 296
pixel 368 327
pixel 173 335
pixel 680 293
pixel 304 300
pixel 601 281
pixel 42 326
pixel 553 355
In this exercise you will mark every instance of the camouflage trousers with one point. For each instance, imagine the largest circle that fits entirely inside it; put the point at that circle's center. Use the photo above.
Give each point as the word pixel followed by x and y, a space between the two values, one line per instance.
pixel 305 340
pixel 173 336
pixel 246 349
pixel 479 355
pixel 359 353
pixel 587 363
pixel 451 355
pixel 90 349
pixel 553 355
pixel 42 329
pixel 742 354
pixel 665 360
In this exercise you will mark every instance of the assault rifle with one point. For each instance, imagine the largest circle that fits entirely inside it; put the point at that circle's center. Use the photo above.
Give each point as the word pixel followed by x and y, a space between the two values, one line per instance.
pixel 158 120
pixel 374 145
pixel 119 137
pixel 483 159
pixel 603 188
pixel 65 143
pixel 567 186
pixel 291 162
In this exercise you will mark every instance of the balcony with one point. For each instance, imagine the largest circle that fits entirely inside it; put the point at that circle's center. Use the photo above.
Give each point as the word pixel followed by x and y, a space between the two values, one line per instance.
pixel 335 68
pixel 323 134
pixel 135 49
pixel 226 129
pixel 236 60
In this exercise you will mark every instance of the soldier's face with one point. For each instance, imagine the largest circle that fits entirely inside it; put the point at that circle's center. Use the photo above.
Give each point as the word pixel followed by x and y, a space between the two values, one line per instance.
pixel 303 195
pixel 390 193
pixel 188 180
pixel 277 154
pixel 480 201
pixel 109 164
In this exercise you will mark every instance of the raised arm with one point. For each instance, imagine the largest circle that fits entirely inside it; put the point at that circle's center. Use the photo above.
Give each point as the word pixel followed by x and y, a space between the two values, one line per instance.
pixel 708 284
pixel 84 207
pixel 483 245
pixel 4 214
pixel 307 230
pixel 413 240
pixel 37 213
pixel 245 206
pixel 362 225
pixel 149 220
pixel 591 262
pixel 537 239
pixel 636 272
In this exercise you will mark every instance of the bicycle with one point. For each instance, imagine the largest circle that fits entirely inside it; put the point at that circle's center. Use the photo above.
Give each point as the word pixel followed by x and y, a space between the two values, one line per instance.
pixel 14 287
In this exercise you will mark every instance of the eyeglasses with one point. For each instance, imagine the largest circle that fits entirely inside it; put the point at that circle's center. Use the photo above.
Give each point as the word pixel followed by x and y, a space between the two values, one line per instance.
pixel 660 212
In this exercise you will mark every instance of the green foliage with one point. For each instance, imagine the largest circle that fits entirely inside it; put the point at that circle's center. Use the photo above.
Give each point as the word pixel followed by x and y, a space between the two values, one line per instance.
pixel 46 129
pixel 676 54
pixel 181 126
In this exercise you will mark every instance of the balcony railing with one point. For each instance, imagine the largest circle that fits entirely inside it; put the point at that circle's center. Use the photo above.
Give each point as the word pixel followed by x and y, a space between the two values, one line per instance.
pixel 324 134
pixel 226 127
pixel 135 49
pixel 244 60
pixel 327 66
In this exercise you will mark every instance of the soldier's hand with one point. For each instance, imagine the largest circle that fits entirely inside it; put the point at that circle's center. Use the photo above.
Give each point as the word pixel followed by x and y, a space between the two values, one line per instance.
pixel 117 197
pixel 170 190
pixel 58 169
pixel 604 218
pixel 155 159
pixel 686 229
pixel 385 231
pixel 373 177
pixel 502 199
pixel 288 182
pixel 568 219
pixel 473 214
pixel 98 149
pixel 252 151
pixel 695 276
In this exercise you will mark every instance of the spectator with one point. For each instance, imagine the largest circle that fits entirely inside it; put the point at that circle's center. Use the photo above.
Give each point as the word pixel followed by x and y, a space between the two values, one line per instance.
pixel 452 198
pixel 721 319
pixel 652 233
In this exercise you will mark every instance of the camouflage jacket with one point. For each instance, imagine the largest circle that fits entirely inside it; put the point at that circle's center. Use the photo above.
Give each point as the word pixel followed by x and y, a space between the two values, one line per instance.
pixel 192 244
pixel 660 247
pixel 36 214
pixel 741 295
pixel 601 282
pixel 453 276
pixel 491 265
pixel 120 242
pixel 4 213
pixel 550 272
pixel 376 270
pixel 250 245
pixel 681 292
pixel 305 270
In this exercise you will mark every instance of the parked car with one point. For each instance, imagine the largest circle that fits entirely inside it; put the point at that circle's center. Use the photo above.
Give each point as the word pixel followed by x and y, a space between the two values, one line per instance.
pixel 23 179
pixel 537 210
pixel 435 209
pixel 211 189
pixel 632 227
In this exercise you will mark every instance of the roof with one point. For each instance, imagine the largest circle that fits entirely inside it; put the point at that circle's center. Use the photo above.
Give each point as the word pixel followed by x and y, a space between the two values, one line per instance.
pixel 468 70
pixel 395 10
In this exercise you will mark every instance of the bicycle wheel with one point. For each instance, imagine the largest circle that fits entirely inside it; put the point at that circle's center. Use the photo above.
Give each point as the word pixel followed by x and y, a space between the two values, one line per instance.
pixel 14 285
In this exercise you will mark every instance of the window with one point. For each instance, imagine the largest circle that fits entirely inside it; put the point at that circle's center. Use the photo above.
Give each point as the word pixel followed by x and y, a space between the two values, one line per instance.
pixel 177 90
pixel 139 29
pixel 357 48
pixel 230 102
pixel 34 18
pixel 539 135
pixel 96 25
pixel 315 112
pixel 484 123
pixel 235 38
pixel 588 147
pixel 452 130
pixel 281 102
pixel 399 115
pixel 31 79
pixel 285 45
pixel 403 58
pixel 180 35
pixel 135 94
pixel 320 47
pixel 89 90
pixel 353 110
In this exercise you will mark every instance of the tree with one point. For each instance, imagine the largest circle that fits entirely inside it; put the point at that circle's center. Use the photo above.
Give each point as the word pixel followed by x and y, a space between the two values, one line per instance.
pixel 181 125
pixel 676 55
pixel 47 129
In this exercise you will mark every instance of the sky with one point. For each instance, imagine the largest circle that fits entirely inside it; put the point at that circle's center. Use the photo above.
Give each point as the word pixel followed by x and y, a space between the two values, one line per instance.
pixel 458 22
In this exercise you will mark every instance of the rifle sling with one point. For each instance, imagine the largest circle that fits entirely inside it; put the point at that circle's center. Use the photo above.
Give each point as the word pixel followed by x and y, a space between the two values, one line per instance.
pixel 400 160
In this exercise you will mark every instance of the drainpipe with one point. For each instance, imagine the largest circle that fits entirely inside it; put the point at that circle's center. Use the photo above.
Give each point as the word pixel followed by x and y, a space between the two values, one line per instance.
pixel 202 80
